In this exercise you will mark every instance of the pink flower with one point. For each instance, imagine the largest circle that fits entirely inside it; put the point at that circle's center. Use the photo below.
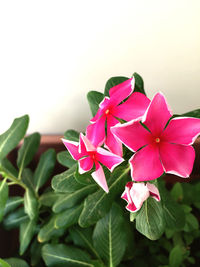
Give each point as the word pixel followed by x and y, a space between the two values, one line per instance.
pixel 136 193
pixel 88 155
pixel 159 147
pixel 110 109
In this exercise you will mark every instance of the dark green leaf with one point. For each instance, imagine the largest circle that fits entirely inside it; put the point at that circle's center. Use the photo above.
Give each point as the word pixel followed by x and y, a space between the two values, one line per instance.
pixel 10 139
pixel 177 192
pixel 7 168
pixel 84 178
pixel 14 219
pixel 194 113
pixel 139 84
pixel 27 179
pixel 27 151
pixel 49 198
pixel 71 199
pixel 149 220
pixel 65 159
pixel 36 251
pixel 94 99
pixel 68 217
pixel 13 203
pixel 15 262
pixel 27 230
pixel 3 197
pixel 109 239
pixel 191 223
pixel 112 82
pixel 44 168
pixel 62 255
pixel 176 257
pixel 30 204
pixel 71 135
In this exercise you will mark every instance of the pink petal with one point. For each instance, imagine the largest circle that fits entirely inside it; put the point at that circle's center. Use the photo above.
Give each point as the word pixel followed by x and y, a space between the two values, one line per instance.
pixel 121 91
pixel 132 134
pixel 102 107
pixel 177 159
pixel 131 207
pixel 182 131
pixel 126 196
pixel 96 132
pixel 134 107
pixel 108 159
pixel 73 148
pixel 86 145
pixel 85 164
pixel 139 193
pixel 153 190
pixel 157 114
pixel 99 177
pixel 146 164
pixel 112 143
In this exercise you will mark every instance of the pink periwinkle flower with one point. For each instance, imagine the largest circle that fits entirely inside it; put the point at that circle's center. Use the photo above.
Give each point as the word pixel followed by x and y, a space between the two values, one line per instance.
pixel 136 193
pixel 160 147
pixel 88 156
pixel 112 108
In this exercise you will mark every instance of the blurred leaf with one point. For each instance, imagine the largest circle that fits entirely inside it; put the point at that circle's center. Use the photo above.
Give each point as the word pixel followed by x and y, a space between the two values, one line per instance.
pixel 149 220
pixel 68 217
pixel 14 219
pixel 36 252
pixel 71 135
pixel 113 82
pixel 30 204
pixel 10 139
pixel 109 239
pixel 177 192
pixel 94 99
pixel 4 263
pixel 27 230
pixel 62 255
pixel 65 159
pixel 194 113
pixel 3 197
pixel 15 262
pixel 191 223
pixel 65 182
pixel 44 168
pixel 7 167
pixel 27 179
pixel 49 198
pixel 70 199
pixel 176 257
pixel 139 84
pixel 27 150
pixel 13 203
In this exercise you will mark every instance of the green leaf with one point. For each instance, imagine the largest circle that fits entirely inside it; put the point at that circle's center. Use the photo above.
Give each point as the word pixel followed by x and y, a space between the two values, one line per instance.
pixel 7 168
pixel 149 220
pixel 99 203
pixel 3 197
pixel 71 199
pixel 49 231
pixel 191 223
pixel 194 113
pixel 177 192
pixel 65 159
pixel 113 82
pixel 14 219
pixel 44 168
pixel 83 238
pixel 27 230
pixel 62 255
pixel 139 84
pixel 85 178
pixel 94 99
pixel 176 257
pixel 10 139
pixel 68 217
pixel 15 262
pixel 109 239
pixel 36 251
pixel 30 204
pixel 49 198
pixel 27 179
pixel 4 263
pixel 71 135
pixel 13 203
pixel 65 182
pixel 27 151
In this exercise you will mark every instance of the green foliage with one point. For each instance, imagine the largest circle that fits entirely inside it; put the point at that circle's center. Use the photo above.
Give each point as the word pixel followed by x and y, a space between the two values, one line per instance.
pixel 12 203
pixel 71 135
pixel 3 197
pixel 113 82
pixel 4 263
pixel 65 159
pixel 176 256
pixel 27 230
pixel 30 204
pixel 94 99
pixel 16 262
pixel 139 84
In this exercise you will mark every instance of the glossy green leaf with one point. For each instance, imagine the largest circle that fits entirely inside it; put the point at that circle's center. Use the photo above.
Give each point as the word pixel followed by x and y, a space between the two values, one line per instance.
pixel 10 139
pixel 194 113
pixel 27 150
pixel 176 257
pixel 13 203
pixel 15 262
pixel 44 168
pixel 36 251
pixel 85 178
pixel 3 197
pixel 27 230
pixel 71 135
pixel 14 219
pixel 65 159
pixel 4 263
pixel 62 255
pixel 49 198
pixel 27 178
pixel 109 239
pixel 71 199
pixel 112 82
pixel 94 99
pixel 49 231
pixel 65 182
pixel 7 168
pixel 30 204
pixel 149 220
pixel 68 217
pixel 99 203
pixel 139 84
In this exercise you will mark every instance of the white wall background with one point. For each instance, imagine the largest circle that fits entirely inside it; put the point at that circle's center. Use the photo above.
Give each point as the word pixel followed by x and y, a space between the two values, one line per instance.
pixel 53 52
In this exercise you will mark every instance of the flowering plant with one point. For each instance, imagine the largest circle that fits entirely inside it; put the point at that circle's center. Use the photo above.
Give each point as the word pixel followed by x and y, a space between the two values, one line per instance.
pixel 127 149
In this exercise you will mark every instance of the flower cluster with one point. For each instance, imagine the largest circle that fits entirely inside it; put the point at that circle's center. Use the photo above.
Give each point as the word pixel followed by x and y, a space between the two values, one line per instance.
pixel 160 142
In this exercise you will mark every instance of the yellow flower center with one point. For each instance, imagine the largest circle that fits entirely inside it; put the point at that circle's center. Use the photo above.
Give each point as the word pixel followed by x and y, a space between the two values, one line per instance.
pixel 157 140
pixel 107 111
